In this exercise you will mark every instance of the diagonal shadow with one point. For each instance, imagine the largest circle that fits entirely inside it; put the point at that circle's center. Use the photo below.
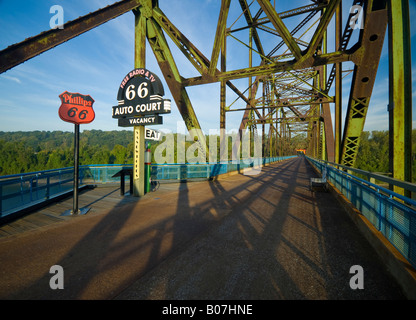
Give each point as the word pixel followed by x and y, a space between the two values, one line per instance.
pixel 254 240
pixel 282 241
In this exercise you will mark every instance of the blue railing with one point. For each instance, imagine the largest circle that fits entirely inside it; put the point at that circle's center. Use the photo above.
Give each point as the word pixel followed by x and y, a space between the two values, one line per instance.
pixel 175 172
pixel 22 191
pixel 390 213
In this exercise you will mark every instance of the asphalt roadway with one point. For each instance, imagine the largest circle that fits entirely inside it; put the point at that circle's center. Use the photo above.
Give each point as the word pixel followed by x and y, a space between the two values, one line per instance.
pixel 241 237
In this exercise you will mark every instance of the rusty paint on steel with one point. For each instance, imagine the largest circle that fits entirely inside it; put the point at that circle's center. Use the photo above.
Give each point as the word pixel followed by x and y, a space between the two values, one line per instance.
pixel 368 57
pixel 287 105
pixel 31 47
pixel 400 93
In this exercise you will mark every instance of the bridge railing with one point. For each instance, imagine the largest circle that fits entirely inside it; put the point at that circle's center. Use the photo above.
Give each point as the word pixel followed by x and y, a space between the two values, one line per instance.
pixel 22 191
pixel 390 213
pixel 175 172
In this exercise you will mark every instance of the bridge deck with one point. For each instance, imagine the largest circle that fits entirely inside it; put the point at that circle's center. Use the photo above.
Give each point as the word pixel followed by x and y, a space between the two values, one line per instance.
pixel 264 236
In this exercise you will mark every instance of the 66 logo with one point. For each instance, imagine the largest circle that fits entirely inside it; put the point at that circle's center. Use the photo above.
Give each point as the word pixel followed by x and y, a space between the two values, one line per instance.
pixel 76 108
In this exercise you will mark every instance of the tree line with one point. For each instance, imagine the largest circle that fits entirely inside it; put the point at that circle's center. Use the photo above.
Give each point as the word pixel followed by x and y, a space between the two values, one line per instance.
pixel 373 153
pixel 22 152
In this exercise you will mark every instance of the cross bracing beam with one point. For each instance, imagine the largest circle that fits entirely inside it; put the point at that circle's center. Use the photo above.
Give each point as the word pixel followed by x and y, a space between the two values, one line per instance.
pixel 290 98
pixel 366 65
pixel 31 47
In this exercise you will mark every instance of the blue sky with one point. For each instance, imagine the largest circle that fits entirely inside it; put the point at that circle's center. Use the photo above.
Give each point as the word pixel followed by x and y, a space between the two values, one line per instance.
pixel 95 63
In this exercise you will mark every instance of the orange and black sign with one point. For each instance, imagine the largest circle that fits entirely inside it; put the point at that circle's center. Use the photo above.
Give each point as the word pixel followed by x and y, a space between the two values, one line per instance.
pixel 76 108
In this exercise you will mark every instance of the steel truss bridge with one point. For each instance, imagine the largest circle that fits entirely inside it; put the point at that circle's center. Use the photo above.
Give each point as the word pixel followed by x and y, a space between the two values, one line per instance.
pixel 289 77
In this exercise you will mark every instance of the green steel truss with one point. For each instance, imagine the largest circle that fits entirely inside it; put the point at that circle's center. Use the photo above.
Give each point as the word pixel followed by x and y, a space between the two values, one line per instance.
pixel 291 68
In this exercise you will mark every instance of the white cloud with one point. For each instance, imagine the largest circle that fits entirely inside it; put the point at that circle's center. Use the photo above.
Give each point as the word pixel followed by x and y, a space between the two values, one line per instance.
pixel 15 79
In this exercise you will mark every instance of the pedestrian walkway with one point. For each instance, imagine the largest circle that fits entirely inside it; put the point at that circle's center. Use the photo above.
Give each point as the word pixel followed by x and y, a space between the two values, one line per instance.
pixel 264 236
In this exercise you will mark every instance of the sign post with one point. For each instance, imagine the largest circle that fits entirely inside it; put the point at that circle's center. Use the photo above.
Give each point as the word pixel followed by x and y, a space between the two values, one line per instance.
pixel 75 209
pixel 140 103
pixel 147 163
pixel 76 108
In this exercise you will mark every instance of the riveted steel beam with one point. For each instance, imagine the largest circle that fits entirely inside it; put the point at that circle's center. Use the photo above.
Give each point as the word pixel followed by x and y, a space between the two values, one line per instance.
pixel 250 23
pixel 268 69
pixel 31 47
pixel 366 59
pixel 342 39
pixel 328 138
pixel 170 71
pixel 338 86
pixel 321 29
pixel 280 27
pixel 198 60
pixel 139 134
pixel 400 93
pixel 190 51
pixel 219 36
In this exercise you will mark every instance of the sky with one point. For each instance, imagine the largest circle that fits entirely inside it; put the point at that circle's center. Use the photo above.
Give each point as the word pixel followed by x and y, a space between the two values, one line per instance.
pixel 96 62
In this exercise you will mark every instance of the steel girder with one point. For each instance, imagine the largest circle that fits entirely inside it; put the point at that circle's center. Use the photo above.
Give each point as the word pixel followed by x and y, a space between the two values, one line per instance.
pixel 400 92
pixel 366 65
pixel 31 47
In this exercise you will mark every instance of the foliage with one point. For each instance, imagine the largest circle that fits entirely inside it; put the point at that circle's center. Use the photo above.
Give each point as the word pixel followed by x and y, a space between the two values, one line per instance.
pixel 41 150
pixel 373 153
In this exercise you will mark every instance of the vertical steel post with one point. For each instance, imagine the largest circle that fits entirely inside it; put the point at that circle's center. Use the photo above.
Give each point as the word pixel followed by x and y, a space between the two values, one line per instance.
pixel 400 92
pixel 263 126
pixel 325 111
pixel 76 169
pixel 223 136
pixel 250 95
pixel 75 209
pixel 147 164
pixel 338 85
pixel 139 62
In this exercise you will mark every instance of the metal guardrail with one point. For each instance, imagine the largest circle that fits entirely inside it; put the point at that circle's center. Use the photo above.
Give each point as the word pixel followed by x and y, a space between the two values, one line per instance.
pixel 411 187
pixel 21 191
pixel 390 213
pixel 176 172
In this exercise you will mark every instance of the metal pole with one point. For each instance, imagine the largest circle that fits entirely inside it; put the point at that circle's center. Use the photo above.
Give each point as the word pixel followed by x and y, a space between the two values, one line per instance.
pixel 338 86
pixel 76 169
pixel 75 209
pixel 400 93
pixel 139 143
pixel 223 137
pixel 147 163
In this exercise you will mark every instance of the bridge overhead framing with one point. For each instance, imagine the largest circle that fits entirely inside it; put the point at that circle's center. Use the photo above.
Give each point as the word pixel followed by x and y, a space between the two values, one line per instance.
pixel 291 67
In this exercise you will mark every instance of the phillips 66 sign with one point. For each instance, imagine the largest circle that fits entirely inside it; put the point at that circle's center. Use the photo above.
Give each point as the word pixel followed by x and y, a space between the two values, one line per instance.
pixel 76 108
pixel 140 94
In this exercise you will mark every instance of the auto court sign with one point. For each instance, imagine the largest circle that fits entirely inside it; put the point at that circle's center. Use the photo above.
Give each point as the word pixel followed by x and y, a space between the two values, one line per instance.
pixel 140 100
